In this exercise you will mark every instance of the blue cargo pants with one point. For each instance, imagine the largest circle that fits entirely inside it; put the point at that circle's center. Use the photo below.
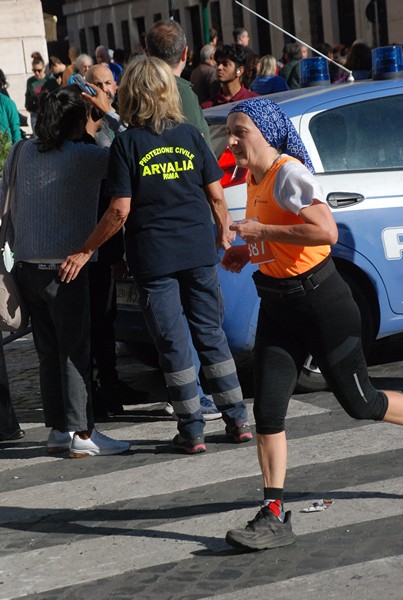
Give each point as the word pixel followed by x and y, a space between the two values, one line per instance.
pixel 196 294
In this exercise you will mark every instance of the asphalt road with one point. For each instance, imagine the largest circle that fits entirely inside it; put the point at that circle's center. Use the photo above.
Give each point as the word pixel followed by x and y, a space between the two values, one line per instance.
pixel 151 524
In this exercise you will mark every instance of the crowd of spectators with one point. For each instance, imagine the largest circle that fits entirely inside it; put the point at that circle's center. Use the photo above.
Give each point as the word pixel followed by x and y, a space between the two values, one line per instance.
pixel 250 72
pixel 265 74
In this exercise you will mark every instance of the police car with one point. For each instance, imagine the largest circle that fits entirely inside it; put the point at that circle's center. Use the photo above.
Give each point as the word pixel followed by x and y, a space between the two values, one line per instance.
pixel 354 135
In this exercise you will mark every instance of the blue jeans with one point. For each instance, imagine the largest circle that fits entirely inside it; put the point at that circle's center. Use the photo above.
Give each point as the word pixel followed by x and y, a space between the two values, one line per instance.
pixel 60 318
pixel 196 294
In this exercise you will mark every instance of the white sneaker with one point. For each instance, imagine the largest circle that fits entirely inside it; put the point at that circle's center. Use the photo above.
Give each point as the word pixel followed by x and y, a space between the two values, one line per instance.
pixel 97 445
pixel 59 441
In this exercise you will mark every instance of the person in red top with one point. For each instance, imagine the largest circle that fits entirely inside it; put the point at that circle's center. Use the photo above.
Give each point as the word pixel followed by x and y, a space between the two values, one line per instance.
pixel 231 65
pixel 306 306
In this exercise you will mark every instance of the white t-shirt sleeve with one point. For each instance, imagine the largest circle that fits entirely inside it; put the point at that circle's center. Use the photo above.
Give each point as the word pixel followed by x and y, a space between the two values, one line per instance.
pixel 295 187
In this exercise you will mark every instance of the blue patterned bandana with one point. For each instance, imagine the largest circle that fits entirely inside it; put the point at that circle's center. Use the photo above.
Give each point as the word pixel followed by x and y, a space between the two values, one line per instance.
pixel 275 127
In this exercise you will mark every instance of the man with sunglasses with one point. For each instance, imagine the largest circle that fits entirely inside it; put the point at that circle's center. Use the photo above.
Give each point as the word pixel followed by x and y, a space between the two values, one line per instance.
pixel 35 84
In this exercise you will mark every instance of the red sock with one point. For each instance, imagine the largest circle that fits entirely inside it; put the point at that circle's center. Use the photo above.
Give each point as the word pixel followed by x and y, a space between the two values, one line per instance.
pixel 275 507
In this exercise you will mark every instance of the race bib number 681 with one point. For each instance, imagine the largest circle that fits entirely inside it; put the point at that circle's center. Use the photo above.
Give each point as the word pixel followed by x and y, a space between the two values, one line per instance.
pixel 260 252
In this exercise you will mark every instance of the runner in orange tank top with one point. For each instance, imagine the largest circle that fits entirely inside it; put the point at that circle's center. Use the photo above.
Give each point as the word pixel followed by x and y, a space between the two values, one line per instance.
pixel 306 307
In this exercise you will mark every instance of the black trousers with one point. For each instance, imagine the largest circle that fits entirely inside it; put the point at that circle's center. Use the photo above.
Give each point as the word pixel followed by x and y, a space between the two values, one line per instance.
pixel 310 315
pixel 60 319
pixel 8 420
pixel 103 315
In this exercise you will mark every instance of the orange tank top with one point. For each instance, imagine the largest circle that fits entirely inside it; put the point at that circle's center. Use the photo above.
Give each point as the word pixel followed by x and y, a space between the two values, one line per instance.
pixel 275 259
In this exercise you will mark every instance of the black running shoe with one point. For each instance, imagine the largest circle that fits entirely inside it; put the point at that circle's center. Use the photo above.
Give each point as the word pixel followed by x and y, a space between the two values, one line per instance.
pixel 238 434
pixel 264 531
pixel 194 446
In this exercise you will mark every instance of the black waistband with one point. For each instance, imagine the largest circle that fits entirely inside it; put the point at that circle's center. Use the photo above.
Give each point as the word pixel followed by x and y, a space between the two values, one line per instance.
pixel 291 285
pixel 40 266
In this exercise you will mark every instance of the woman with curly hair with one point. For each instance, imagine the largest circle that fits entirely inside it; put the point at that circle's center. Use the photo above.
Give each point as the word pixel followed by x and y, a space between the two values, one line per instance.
pixel 55 206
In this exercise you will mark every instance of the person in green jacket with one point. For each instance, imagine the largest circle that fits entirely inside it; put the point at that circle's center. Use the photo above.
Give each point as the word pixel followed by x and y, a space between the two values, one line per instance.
pixel 9 118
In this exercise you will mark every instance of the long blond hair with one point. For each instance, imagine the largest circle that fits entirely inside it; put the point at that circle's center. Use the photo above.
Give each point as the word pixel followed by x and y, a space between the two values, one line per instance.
pixel 148 94
pixel 268 65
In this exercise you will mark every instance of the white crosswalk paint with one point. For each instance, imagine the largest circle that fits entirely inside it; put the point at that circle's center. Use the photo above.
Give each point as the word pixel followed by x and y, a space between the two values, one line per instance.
pixel 195 471
pixel 112 552
pixel 105 556
pixel 345 583
pixel 160 430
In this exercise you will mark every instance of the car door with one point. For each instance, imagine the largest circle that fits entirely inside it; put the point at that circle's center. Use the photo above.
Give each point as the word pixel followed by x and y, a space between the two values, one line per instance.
pixel 356 145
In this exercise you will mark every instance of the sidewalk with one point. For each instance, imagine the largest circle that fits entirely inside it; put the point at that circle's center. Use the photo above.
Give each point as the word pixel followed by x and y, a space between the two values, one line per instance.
pixel 23 373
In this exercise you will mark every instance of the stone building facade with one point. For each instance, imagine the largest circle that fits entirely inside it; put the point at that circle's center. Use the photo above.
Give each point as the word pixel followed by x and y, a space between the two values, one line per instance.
pixel 123 23
pixel 22 32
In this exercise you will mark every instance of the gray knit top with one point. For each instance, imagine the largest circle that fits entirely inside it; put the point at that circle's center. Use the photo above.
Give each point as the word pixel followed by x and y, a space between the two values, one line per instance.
pixel 56 198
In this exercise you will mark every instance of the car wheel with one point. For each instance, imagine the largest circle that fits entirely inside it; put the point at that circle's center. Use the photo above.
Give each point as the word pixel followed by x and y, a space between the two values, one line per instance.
pixel 311 379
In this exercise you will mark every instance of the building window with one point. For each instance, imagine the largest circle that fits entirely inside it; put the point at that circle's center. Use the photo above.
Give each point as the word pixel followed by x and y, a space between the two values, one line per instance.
pixel 347 30
pixel 95 36
pixel 193 18
pixel 263 29
pixel 316 21
pixel 287 13
pixel 110 34
pixel 376 12
pixel 237 15
pixel 216 18
pixel 140 25
pixel 157 17
pixel 126 37
pixel 83 41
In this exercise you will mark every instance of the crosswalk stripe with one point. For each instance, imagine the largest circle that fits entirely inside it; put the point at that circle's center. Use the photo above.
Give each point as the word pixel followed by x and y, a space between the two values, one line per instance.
pixel 105 556
pixel 343 582
pixel 161 430
pixel 207 469
pixel 380 499
pixel 88 560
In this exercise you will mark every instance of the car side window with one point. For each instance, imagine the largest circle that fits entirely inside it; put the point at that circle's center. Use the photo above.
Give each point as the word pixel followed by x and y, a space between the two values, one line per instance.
pixel 218 138
pixel 361 136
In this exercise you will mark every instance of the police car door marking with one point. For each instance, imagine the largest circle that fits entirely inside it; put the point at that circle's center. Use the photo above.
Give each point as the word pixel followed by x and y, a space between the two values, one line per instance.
pixel 392 239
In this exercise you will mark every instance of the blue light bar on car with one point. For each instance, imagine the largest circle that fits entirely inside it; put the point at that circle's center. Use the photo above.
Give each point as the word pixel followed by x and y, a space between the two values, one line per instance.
pixel 387 62
pixel 314 71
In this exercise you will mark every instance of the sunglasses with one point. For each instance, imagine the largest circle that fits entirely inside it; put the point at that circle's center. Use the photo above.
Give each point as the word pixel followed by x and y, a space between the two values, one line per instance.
pixel 58 75
pixel 37 70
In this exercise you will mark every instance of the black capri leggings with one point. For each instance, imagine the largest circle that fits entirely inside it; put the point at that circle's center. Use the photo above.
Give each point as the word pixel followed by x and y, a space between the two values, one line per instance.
pixel 313 314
